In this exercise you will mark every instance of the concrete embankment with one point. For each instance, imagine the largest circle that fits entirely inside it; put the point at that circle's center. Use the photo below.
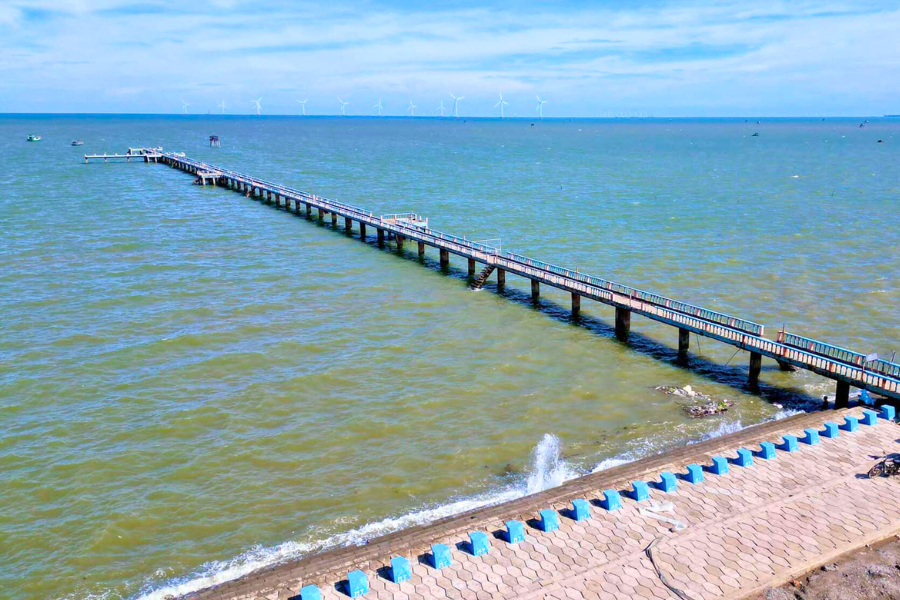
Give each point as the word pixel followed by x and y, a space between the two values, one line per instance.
pixel 747 511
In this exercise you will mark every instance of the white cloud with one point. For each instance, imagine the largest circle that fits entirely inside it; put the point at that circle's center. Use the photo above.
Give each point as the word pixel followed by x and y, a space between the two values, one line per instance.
pixel 718 59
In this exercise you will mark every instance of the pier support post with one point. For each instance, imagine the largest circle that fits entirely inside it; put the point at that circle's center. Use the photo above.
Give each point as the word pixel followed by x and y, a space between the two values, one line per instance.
pixel 842 395
pixel 348 225
pixel 421 250
pixel 445 258
pixel 399 240
pixel 471 267
pixel 623 323
pixel 501 278
pixel 268 196
pixel 684 344
pixel 362 231
pixel 785 366
pixel 334 220
pixel 535 290
pixel 381 238
pixel 308 211
pixel 755 368
pixel 576 304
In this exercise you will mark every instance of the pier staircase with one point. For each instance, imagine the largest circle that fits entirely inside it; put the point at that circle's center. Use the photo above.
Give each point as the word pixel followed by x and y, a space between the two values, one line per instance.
pixel 482 277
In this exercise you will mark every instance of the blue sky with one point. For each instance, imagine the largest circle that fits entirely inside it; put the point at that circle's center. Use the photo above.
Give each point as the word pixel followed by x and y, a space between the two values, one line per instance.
pixel 765 58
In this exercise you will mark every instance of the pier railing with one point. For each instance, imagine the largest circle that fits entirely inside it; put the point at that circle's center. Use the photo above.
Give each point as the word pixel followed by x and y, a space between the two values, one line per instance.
pixel 790 349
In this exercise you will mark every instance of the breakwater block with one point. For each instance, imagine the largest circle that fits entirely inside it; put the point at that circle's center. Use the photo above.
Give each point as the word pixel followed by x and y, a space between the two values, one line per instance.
pixel 581 510
pixel 811 437
pixel 478 541
pixel 744 458
pixel 694 473
pixel 719 466
pixel 888 412
pixel 611 500
pixel 549 520
pixel 831 430
pixel 639 491
pixel 850 423
pixel 400 570
pixel 440 556
pixel 870 417
pixel 357 584
pixel 766 450
pixel 515 532
pixel 667 482
pixel 789 444
pixel 310 592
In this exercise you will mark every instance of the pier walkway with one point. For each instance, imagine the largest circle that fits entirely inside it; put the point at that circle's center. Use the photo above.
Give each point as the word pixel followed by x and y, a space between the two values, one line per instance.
pixel 790 350
pixel 747 523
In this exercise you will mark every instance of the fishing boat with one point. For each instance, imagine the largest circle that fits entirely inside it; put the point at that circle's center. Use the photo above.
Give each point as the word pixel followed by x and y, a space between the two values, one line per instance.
pixel 77 143
pixel 34 138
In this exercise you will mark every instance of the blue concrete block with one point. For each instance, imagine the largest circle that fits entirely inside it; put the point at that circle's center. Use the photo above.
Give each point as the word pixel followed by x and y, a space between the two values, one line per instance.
pixel 400 570
pixel 549 520
pixel 515 532
pixel 440 556
pixel 357 584
pixel 310 592
pixel 611 500
pixel 767 450
pixel 850 424
pixel 744 458
pixel 581 510
pixel 888 412
pixel 719 466
pixel 667 482
pixel 870 417
pixel 639 491
pixel 831 430
pixel 479 542
pixel 789 444
pixel 694 473
pixel 811 437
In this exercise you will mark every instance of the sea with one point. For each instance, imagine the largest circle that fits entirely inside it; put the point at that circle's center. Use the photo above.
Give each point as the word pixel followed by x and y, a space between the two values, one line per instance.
pixel 195 385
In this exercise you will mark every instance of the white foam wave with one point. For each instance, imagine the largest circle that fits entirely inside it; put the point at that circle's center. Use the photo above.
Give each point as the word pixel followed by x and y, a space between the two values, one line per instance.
pixel 547 469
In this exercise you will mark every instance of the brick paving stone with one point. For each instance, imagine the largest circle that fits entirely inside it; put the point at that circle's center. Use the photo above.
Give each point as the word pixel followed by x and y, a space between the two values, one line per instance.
pixel 745 530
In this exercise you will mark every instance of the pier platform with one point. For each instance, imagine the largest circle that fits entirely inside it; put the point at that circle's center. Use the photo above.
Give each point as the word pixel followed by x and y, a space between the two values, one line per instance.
pixel 748 511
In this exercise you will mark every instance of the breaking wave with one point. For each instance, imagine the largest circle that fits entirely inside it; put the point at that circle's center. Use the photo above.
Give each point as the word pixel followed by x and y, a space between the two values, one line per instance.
pixel 547 469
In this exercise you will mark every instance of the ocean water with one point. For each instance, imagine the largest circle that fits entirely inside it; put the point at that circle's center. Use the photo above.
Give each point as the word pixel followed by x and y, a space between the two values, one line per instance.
pixel 193 384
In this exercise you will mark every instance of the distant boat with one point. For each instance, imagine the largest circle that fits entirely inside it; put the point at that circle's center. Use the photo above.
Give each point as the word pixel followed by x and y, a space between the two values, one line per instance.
pixel 77 143
pixel 34 138
pixel 755 135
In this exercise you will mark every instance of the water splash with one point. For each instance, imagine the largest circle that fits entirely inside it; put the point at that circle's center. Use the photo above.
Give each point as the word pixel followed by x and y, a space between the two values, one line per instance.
pixel 547 470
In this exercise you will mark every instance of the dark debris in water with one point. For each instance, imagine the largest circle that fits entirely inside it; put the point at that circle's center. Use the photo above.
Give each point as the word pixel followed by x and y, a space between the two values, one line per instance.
pixel 699 405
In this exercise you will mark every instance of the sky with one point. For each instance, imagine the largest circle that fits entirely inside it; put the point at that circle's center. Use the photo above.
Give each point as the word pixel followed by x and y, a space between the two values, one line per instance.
pixel 814 58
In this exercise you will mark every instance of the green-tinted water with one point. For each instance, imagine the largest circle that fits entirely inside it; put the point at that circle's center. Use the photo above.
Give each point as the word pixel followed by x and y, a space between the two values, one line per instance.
pixel 187 376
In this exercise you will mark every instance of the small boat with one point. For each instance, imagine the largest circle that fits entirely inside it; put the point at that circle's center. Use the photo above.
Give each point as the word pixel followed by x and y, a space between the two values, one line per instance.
pixel 34 138
pixel 77 143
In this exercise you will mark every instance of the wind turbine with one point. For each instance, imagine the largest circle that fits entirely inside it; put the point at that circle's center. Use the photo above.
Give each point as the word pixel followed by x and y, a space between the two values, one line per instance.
pixel 379 107
pixel 343 106
pixel 303 105
pixel 257 104
pixel 501 104
pixel 456 105
pixel 222 106
pixel 412 109
pixel 540 106
pixel 441 108
pixel 184 106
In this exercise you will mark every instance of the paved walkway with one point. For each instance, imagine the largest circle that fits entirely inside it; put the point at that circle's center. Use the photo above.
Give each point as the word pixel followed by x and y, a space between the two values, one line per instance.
pixel 746 530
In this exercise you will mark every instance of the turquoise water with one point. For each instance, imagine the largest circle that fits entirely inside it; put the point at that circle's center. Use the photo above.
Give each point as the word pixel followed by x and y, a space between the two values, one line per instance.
pixel 193 384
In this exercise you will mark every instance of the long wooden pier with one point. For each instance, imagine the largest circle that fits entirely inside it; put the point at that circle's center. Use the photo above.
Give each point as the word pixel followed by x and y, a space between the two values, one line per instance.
pixel 790 350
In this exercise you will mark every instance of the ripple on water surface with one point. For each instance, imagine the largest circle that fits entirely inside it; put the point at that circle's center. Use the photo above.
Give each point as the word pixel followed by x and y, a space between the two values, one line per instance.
pixel 193 385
